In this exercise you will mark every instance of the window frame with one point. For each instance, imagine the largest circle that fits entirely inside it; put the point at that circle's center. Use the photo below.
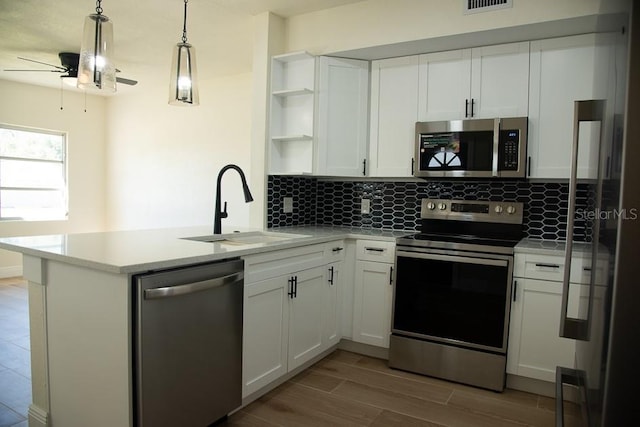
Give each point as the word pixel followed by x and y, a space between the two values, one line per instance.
pixel 65 174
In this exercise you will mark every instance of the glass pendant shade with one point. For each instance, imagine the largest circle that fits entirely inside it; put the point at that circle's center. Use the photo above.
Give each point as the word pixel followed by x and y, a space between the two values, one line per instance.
pixel 183 87
pixel 95 67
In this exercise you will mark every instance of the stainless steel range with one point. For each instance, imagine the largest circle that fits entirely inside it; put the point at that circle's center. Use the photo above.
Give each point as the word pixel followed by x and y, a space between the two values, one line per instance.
pixel 452 292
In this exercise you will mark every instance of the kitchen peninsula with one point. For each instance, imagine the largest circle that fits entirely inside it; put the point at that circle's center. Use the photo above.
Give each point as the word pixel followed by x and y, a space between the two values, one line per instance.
pixel 82 315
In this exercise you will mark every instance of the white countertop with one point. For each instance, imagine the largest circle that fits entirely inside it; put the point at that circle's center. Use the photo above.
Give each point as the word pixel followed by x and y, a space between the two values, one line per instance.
pixel 143 250
pixel 554 248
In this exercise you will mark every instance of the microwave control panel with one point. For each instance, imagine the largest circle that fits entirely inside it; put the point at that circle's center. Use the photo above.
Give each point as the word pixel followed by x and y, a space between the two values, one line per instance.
pixel 509 150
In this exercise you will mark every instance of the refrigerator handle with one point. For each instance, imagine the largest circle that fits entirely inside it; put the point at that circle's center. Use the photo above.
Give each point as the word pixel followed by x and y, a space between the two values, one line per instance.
pixel 565 376
pixel 584 111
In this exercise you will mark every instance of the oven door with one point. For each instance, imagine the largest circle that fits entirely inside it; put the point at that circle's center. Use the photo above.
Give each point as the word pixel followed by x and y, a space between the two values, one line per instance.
pixel 455 297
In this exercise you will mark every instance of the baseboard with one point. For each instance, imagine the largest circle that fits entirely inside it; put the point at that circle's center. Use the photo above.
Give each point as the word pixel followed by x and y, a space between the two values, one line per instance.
pixel 365 349
pixel 11 271
pixel 542 388
pixel 286 377
pixel 38 417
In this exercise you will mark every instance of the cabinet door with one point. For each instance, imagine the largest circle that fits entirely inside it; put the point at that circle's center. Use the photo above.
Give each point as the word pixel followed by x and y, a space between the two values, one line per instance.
pixel 563 71
pixel 535 347
pixel 343 100
pixel 331 304
pixel 445 85
pixel 305 316
pixel 500 80
pixel 265 333
pixel 372 303
pixel 394 112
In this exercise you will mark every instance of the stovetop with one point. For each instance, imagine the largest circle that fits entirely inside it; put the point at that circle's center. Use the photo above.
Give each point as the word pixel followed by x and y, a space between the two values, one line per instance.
pixel 468 225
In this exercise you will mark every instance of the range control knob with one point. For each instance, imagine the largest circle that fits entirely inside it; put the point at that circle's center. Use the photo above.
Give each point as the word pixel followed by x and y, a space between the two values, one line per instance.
pixel 431 206
pixel 511 209
pixel 442 206
pixel 498 209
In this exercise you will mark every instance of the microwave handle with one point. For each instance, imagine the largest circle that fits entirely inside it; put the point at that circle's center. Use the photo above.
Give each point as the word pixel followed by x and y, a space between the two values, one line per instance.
pixel 496 146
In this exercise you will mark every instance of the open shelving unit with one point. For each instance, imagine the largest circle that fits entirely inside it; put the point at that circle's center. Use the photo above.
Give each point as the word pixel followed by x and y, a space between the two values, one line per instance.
pixel 292 114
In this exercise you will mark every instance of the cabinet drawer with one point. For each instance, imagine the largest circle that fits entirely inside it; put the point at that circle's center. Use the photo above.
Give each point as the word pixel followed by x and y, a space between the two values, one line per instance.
pixel 334 251
pixel 375 250
pixel 542 267
pixel 272 264
pixel 551 267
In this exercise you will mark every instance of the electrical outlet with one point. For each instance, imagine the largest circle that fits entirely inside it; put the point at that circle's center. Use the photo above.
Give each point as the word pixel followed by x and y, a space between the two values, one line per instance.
pixel 365 206
pixel 287 204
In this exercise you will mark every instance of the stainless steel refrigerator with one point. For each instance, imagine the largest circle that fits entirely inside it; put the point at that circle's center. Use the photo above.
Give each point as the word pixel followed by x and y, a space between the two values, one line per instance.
pixel 606 325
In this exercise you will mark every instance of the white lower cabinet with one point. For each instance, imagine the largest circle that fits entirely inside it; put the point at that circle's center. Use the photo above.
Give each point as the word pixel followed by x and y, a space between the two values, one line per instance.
pixel 332 304
pixel 373 293
pixel 265 333
pixel 535 347
pixel 306 312
pixel 290 314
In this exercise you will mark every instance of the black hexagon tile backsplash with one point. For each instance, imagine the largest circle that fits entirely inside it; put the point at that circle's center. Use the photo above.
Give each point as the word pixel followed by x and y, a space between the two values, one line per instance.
pixel 396 205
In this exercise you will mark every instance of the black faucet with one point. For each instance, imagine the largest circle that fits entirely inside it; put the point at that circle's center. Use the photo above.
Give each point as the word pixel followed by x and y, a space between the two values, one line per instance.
pixel 219 214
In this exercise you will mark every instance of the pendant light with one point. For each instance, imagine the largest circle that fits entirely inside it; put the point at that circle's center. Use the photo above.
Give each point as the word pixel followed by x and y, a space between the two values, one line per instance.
pixel 183 88
pixel 95 66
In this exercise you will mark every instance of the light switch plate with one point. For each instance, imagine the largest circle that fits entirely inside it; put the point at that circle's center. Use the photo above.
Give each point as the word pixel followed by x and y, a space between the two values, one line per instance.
pixel 365 206
pixel 287 204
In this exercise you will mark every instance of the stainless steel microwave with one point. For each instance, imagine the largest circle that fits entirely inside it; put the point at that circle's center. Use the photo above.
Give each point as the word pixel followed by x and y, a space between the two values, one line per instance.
pixel 478 148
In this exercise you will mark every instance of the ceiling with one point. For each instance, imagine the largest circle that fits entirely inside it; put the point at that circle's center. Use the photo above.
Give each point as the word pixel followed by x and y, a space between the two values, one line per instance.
pixel 144 34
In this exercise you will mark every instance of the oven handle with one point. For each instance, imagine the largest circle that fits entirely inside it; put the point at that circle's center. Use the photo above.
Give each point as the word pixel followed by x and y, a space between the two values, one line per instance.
pixel 454 258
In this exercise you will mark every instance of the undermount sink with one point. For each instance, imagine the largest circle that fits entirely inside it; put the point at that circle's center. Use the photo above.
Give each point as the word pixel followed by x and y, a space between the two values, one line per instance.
pixel 247 238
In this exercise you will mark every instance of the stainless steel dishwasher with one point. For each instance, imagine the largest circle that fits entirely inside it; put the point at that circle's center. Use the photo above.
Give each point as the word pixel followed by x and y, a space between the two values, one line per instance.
pixel 188 344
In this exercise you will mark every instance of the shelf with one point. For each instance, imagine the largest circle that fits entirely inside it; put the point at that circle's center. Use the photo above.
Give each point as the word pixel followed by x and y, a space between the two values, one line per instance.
pixel 292 92
pixel 290 138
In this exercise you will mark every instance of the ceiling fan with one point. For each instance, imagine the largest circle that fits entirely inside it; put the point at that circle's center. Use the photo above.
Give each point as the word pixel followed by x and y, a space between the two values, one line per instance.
pixel 69 66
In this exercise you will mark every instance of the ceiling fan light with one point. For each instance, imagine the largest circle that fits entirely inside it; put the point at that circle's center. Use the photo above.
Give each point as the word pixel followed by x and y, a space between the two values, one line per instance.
pixel 96 69
pixel 183 85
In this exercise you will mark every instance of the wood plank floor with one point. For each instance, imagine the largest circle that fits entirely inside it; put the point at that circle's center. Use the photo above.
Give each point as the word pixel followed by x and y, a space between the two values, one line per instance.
pixel 344 389
pixel 348 389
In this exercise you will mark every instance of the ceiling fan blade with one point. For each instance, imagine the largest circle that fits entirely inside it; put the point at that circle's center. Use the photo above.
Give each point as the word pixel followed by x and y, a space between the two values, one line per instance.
pixel 126 81
pixel 43 63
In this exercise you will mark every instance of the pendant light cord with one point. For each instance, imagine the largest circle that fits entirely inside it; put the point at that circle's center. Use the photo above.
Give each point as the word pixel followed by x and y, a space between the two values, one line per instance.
pixel 99 7
pixel 184 23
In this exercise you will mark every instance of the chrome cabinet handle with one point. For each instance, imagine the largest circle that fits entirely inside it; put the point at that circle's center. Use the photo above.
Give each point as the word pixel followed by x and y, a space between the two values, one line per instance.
pixel 336 249
pixel 515 290
pixel 374 249
pixel 583 111
pixel 190 288
pixel 331 277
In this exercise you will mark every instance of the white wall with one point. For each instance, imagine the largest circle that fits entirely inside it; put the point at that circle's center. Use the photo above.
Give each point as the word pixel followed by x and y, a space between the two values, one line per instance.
pixel 163 161
pixel 381 22
pixel 39 107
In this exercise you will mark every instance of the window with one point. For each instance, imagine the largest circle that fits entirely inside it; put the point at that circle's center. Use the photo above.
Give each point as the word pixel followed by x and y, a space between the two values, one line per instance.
pixel 33 184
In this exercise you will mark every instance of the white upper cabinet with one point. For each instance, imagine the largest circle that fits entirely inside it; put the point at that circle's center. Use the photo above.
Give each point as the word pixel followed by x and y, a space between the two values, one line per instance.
pixel 343 99
pixel 562 71
pixel 483 82
pixel 394 113
pixel 445 85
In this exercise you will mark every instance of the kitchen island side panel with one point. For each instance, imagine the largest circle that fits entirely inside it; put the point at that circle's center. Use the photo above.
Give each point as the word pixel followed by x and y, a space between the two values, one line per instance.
pixel 88 334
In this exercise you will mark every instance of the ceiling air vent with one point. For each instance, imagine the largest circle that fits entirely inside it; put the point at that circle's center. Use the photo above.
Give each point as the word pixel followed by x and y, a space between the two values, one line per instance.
pixel 475 6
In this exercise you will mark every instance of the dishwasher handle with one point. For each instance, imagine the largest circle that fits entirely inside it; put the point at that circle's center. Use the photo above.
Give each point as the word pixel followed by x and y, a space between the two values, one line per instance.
pixel 189 288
